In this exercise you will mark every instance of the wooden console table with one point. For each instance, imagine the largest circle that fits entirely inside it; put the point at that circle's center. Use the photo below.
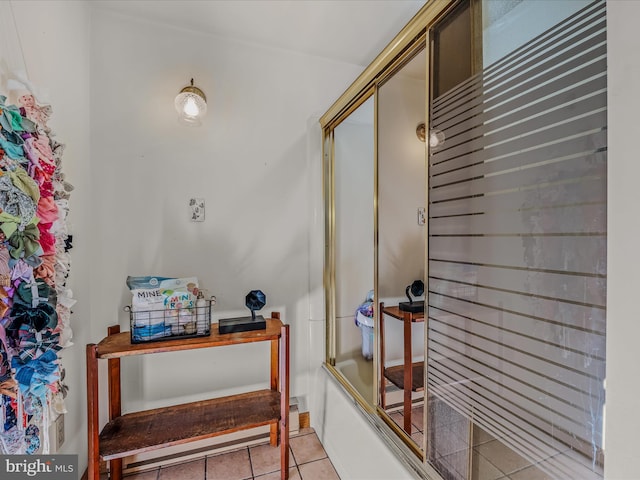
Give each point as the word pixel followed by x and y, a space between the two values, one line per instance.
pixel 148 430
pixel 409 373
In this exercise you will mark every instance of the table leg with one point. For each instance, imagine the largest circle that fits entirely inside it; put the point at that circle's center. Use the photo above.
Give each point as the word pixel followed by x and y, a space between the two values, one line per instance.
pixel 93 466
pixel 275 380
pixel 115 403
pixel 408 373
pixel 284 403
pixel 275 353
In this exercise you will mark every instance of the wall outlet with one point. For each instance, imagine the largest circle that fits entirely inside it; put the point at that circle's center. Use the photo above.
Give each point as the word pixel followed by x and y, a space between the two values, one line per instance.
pixel 59 429
pixel 421 215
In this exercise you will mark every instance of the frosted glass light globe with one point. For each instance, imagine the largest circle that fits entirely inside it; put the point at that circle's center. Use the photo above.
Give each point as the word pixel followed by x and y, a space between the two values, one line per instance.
pixel 191 104
pixel 436 138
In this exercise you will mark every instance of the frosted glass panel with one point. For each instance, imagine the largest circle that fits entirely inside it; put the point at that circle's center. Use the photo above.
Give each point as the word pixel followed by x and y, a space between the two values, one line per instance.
pixel 517 256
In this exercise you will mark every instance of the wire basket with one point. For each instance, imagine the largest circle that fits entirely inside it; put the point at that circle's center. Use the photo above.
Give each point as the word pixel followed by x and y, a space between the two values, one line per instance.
pixel 173 323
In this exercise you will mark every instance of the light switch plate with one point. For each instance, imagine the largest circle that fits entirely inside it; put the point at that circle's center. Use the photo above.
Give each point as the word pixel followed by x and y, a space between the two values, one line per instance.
pixel 196 209
pixel 421 215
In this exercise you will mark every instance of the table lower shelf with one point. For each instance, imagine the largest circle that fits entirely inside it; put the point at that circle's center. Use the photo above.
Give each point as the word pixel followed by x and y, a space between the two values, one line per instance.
pixel 396 376
pixel 148 430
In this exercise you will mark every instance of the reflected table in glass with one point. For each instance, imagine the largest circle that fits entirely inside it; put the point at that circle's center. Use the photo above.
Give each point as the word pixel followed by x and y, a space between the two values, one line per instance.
pixel 408 373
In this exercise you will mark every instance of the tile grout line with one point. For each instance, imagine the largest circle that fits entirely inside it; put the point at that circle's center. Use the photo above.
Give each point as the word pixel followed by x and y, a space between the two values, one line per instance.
pixel 295 460
pixel 250 463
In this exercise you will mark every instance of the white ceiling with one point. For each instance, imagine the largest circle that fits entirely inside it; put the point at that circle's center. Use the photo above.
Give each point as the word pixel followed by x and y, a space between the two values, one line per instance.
pixel 353 31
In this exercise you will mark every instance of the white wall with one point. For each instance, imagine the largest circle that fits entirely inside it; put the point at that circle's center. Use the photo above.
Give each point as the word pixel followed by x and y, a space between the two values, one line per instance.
pixel 55 36
pixel 248 161
pixel 622 422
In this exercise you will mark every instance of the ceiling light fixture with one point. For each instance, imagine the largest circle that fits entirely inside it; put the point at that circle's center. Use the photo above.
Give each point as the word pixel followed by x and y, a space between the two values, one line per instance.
pixel 191 104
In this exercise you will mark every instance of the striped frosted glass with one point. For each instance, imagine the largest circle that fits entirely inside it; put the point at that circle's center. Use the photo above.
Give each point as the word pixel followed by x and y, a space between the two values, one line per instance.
pixel 517 248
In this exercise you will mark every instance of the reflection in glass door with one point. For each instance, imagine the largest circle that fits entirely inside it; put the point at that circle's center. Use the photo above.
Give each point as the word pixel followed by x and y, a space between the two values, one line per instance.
pixel 401 181
pixel 353 240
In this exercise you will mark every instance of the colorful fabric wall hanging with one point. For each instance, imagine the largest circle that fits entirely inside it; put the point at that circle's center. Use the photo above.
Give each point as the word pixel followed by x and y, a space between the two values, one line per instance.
pixel 35 303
